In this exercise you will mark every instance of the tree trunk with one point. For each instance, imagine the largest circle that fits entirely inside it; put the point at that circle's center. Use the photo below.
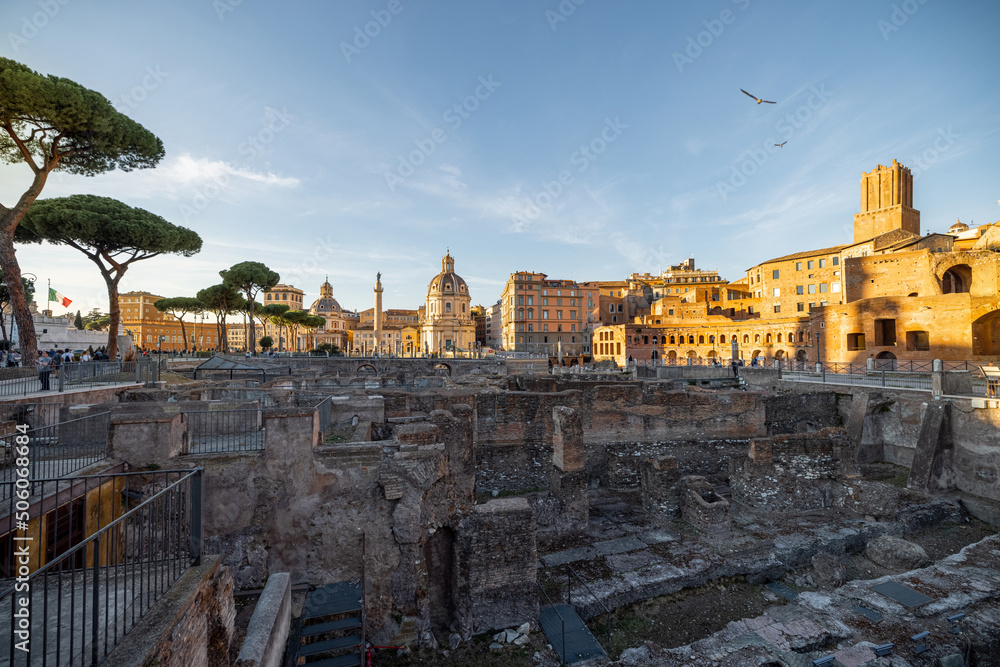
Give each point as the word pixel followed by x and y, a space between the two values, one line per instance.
pixel 251 343
pixel 27 342
pixel 3 326
pixel 183 331
pixel 114 313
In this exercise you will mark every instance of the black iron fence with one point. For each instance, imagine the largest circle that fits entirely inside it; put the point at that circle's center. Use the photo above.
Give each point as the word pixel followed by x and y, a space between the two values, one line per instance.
pixel 77 375
pixel 220 431
pixel 88 557
pixel 55 448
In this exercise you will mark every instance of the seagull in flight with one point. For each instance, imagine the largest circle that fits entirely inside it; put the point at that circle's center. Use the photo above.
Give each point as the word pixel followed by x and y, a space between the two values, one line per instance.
pixel 781 144
pixel 757 98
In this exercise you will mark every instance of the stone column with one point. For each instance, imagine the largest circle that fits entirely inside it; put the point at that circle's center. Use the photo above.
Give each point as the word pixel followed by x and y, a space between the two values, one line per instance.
pixel 568 480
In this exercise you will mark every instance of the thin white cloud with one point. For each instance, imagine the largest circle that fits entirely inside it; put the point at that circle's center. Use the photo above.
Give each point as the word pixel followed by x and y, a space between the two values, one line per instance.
pixel 187 169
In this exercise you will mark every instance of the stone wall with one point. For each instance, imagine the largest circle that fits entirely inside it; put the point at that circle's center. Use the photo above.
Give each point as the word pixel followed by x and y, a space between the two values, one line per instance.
pixel 192 624
pixel 791 472
pixel 498 578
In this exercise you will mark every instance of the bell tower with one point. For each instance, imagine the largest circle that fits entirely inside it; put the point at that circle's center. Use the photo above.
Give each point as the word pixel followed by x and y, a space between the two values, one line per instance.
pixel 886 203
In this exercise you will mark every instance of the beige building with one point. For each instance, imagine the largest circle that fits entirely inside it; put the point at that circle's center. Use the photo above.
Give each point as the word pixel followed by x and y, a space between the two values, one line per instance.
pixel 334 331
pixel 150 329
pixel 541 315
pixel 447 323
pixel 285 338
pixel 890 295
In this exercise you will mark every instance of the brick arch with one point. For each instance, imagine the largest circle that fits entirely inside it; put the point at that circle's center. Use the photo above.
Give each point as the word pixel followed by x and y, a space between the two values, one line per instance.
pixel 357 371
pixel 947 265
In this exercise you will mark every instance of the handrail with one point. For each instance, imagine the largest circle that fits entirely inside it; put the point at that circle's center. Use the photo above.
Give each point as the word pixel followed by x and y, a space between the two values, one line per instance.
pixel 569 597
pixel 562 656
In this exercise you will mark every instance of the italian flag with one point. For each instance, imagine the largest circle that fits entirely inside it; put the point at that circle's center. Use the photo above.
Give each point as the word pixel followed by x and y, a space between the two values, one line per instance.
pixel 58 298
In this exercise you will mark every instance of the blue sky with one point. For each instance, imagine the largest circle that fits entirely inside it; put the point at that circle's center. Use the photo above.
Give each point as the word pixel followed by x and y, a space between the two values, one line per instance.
pixel 585 139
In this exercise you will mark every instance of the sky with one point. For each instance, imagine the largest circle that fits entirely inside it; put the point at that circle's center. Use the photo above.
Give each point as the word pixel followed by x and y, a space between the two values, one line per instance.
pixel 584 139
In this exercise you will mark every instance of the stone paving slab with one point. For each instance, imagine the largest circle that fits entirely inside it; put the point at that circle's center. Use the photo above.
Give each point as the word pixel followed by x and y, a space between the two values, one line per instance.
pixel 633 560
pixel 620 545
pixel 569 556
pixel 657 537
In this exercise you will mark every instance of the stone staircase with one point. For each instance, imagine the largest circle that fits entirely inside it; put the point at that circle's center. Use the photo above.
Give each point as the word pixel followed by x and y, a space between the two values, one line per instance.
pixel 330 628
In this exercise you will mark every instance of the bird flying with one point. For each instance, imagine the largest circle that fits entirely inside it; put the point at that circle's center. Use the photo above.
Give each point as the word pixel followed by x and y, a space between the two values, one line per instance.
pixel 757 98
pixel 781 144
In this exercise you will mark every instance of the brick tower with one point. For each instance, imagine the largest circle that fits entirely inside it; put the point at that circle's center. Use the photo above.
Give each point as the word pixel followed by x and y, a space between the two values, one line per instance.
pixel 886 203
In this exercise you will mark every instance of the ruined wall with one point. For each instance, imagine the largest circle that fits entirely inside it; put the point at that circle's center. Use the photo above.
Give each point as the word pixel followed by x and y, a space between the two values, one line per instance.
pixel 790 472
pixel 498 579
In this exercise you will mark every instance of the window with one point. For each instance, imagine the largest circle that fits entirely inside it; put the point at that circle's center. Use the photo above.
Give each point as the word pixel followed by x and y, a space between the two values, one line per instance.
pixel 545 302
pixel 774 274
pixel 545 327
pixel 559 314
pixel 800 307
pixel 798 266
pixel 822 303
pixel 777 307
pixel 776 291
pixel 545 314
pixel 917 341
pixel 810 264
pixel 531 327
pixel 701 340
pixel 855 341
pixel 822 288
pixel 673 340
pixel 670 311
pixel 799 289
pixel 885 332
pixel 750 310
pixel 834 287
pixel 822 263
pixel 812 289
pixel 836 261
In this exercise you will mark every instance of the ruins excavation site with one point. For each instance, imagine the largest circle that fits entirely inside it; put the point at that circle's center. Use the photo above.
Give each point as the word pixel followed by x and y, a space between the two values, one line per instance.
pixel 488 512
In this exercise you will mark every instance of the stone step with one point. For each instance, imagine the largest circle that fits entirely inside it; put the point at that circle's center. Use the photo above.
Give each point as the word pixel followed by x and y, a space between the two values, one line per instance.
pixel 349 623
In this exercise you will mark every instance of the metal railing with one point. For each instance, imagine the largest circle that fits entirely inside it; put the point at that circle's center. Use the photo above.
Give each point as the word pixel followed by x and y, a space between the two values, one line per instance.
pixel 856 375
pixel 220 431
pixel 93 581
pixel 569 600
pixel 56 449
pixel 77 375
pixel 562 621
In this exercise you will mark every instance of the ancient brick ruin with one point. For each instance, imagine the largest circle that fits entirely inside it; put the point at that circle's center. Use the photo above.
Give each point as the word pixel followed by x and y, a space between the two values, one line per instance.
pixel 468 492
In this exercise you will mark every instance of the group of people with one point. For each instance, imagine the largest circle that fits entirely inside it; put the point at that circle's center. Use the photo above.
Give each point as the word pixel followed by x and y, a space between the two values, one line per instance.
pixel 50 362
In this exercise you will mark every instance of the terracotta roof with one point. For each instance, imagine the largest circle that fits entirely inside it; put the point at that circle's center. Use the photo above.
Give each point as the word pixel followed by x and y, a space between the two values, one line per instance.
pixel 808 253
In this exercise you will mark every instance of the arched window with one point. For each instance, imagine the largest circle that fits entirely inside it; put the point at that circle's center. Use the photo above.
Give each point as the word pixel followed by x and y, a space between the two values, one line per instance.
pixel 768 338
pixel 956 279
pixel 800 337
pixel 722 338
pixel 654 340
pixel 779 338
pixel 701 340
pixel 447 307
pixel 690 340
pixel 645 340
pixel 673 340
pixel 756 338
pixel 746 338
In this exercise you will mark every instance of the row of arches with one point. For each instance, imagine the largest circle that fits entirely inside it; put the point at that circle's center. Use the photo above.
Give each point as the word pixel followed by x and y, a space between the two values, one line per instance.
pixel 672 356
pixel 702 339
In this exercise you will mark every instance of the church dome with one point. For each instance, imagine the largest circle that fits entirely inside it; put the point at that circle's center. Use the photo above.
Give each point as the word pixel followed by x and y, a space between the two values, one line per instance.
pixel 447 283
pixel 325 303
pixel 959 226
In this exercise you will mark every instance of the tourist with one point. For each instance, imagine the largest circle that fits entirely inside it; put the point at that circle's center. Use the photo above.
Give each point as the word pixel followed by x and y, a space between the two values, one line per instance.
pixel 44 365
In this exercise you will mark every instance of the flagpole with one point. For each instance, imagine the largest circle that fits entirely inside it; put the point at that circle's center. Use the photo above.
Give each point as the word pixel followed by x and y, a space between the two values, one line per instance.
pixel 48 293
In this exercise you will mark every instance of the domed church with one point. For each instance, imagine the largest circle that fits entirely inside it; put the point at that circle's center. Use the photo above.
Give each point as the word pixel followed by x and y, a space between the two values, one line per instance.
pixel 335 329
pixel 447 319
